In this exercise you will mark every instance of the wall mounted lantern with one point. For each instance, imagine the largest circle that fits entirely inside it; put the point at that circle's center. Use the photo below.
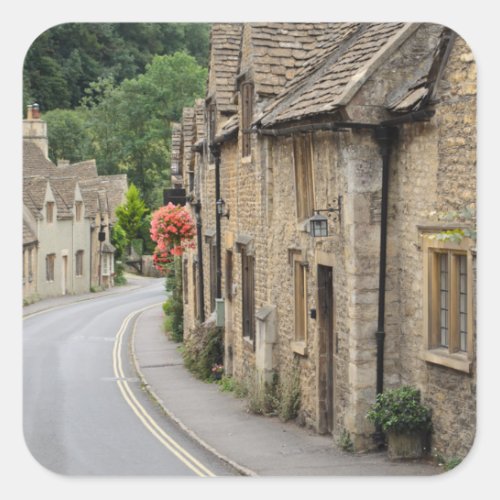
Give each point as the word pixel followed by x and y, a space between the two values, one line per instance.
pixel 318 223
pixel 220 208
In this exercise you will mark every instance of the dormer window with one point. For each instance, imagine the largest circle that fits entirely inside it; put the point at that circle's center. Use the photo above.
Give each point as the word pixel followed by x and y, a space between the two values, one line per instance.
pixel 246 117
pixel 50 211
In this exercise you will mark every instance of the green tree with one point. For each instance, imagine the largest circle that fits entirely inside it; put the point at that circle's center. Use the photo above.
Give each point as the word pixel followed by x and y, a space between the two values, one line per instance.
pixel 131 215
pixel 119 240
pixel 63 61
pixel 69 135
pixel 131 122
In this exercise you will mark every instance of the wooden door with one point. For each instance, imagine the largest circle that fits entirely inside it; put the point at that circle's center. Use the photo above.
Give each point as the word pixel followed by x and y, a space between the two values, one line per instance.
pixel 326 347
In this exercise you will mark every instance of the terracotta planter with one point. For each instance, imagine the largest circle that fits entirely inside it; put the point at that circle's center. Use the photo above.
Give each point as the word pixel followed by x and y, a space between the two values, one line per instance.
pixel 405 445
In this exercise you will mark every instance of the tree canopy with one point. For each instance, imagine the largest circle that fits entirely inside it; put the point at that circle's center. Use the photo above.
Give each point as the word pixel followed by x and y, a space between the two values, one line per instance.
pixel 106 93
pixel 64 60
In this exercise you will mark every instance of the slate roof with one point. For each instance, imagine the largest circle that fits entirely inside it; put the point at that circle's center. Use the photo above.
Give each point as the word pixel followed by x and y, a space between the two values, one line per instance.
pixel 104 193
pixel 28 235
pixel 419 93
pixel 225 45
pixel 116 187
pixel 83 170
pixel 34 189
pixel 34 161
pixel 99 192
pixel 335 70
pixel 279 50
pixel 227 129
pixel 63 189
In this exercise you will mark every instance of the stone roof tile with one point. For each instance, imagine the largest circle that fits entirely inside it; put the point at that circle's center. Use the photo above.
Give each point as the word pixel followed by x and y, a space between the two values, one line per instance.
pixel 333 71
pixel 225 44
pixel 28 235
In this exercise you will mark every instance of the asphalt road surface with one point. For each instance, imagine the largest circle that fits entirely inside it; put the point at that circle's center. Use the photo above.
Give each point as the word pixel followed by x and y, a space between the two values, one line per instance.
pixel 85 412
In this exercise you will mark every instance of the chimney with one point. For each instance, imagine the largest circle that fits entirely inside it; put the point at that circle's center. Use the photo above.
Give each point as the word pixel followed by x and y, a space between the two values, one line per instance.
pixel 35 129
pixel 35 109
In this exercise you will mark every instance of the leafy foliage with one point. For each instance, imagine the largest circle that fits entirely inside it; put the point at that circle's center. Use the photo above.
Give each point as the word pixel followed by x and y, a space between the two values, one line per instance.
pixel 131 214
pixel 111 92
pixel 400 410
pixel 119 240
pixel 64 60
pixel 173 307
pixel 289 393
pixel 68 135
pixel 465 215
pixel 203 350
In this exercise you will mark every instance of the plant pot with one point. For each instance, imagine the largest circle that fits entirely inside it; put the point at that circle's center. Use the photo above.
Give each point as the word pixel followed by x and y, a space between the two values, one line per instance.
pixel 405 445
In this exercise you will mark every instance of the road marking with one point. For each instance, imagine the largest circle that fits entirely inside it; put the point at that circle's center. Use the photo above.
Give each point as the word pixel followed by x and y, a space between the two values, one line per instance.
pixel 150 424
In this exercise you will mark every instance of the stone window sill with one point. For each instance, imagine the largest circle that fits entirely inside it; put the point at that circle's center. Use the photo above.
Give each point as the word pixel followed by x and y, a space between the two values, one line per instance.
pixel 299 347
pixel 456 361
pixel 246 160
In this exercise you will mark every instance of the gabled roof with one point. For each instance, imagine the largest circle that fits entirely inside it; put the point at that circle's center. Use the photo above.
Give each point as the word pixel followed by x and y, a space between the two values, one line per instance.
pixel 63 189
pixel 28 235
pixel 116 187
pixel 104 193
pixel 335 71
pixel 34 190
pixel 225 45
pixel 99 192
pixel 34 161
pixel 83 170
pixel 279 50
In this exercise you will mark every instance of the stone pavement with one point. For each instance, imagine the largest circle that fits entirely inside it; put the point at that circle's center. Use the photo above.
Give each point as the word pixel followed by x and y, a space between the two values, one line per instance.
pixel 255 445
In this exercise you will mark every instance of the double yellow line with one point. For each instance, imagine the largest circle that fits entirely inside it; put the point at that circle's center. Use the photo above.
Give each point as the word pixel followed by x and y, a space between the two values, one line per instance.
pixel 140 411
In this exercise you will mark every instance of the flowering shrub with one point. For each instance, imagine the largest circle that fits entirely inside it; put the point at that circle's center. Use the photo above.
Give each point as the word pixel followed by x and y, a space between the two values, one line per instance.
pixel 172 229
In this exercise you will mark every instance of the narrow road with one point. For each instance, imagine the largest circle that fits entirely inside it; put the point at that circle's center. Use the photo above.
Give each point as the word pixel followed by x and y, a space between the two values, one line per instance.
pixel 85 412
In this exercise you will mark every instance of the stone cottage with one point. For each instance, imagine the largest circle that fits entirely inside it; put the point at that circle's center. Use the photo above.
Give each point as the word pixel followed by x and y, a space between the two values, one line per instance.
pixel 369 130
pixel 67 212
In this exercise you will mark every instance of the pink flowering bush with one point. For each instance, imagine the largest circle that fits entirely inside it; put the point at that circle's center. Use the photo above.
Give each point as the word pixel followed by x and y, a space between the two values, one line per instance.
pixel 172 229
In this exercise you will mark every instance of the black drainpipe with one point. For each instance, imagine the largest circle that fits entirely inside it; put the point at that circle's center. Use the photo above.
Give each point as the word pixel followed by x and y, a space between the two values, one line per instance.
pixel 384 136
pixel 199 241
pixel 215 150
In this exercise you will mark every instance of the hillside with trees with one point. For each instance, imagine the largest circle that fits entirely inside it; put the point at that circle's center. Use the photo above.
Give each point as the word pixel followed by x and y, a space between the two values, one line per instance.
pixel 64 60
pixel 111 92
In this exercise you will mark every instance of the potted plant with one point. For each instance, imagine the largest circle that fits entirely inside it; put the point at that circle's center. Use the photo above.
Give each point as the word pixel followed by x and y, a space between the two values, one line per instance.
pixel 404 419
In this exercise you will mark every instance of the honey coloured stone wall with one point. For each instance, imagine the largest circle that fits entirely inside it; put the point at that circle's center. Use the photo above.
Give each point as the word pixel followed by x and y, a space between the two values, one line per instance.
pixel 434 170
